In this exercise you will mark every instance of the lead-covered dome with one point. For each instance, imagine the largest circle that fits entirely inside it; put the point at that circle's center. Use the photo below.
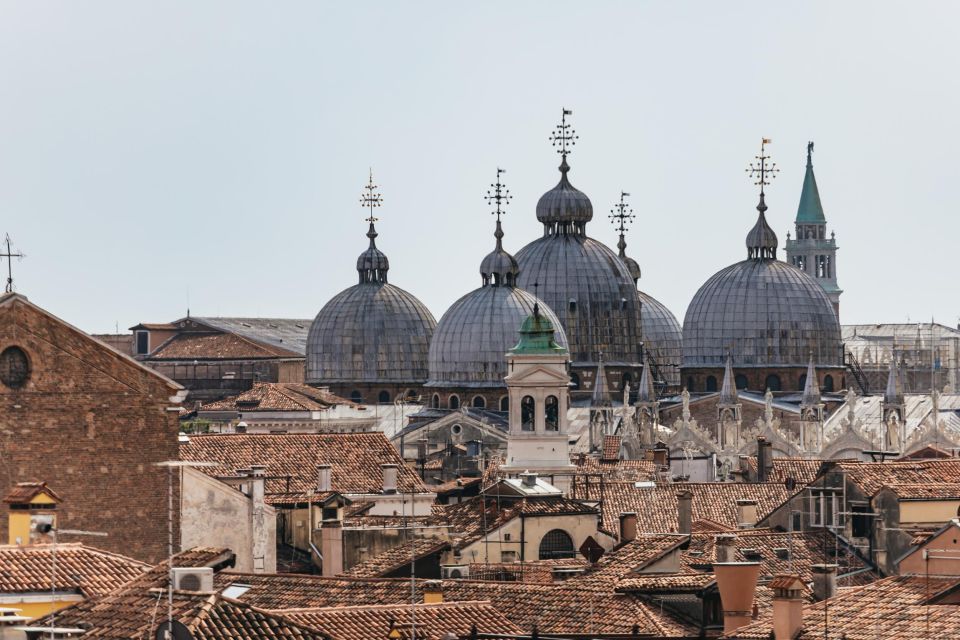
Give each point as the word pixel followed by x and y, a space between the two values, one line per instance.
pixel 762 311
pixel 662 339
pixel 371 332
pixel 564 204
pixel 471 341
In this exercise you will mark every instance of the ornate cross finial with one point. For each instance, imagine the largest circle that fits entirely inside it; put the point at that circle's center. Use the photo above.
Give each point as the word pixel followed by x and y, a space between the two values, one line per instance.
pixel 500 196
pixel 536 304
pixel 564 135
pixel 371 198
pixel 763 171
pixel 622 215
pixel 10 255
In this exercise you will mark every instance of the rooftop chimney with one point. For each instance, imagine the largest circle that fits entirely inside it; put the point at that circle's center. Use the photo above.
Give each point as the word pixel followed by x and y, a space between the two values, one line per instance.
pixel 324 478
pixel 258 528
pixel 723 547
pixel 764 459
pixel 628 526
pixel 746 513
pixel 787 606
pixel 389 478
pixel 737 582
pixel 660 457
pixel 824 581
pixel 331 546
pixel 684 512
pixel 528 479
pixel 432 592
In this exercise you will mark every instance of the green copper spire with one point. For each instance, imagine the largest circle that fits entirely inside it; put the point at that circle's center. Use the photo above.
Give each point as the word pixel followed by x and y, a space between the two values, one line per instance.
pixel 537 335
pixel 810 210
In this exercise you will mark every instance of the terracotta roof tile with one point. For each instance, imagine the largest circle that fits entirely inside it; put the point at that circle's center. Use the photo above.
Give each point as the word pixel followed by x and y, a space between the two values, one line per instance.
pixel 88 570
pixel 802 470
pixel 294 591
pixel 872 476
pixel 24 492
pixel 656 507
pixel 218 346
pixel 279 396
pixel 611 448
pixel 432 620
pixel 355 458
pixel 397 557
pixel 926 490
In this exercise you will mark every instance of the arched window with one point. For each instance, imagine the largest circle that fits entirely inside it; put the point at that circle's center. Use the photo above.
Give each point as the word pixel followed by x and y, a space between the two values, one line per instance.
pixel 478 402
pixel 505 403
pixel 454 402
pixel 435 402
pixel 552 413
pixel 828 382
pixel 741 381
pixel 556 544
pixel 384 397
pixel 574 381
pixel 711 383
pixel 773 382
pixel 356 396
pixel 803 382
pixel 527 413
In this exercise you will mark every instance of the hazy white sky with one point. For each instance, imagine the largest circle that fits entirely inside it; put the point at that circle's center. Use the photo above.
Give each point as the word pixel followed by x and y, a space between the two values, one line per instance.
pixel 155 152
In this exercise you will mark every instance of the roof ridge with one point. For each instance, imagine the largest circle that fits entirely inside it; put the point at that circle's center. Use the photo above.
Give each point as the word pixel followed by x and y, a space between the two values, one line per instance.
pixel 384 607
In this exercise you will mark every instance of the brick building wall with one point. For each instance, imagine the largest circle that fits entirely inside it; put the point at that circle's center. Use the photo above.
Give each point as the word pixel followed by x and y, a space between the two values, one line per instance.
pixel 92 423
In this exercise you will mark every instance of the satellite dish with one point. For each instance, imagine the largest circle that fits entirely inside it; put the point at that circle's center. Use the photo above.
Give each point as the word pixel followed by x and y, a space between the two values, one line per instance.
pixel 180 632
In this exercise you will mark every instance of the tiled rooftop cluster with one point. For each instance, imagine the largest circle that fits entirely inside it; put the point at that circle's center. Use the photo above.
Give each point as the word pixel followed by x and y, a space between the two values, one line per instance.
pixel 89 571
pixel 279 396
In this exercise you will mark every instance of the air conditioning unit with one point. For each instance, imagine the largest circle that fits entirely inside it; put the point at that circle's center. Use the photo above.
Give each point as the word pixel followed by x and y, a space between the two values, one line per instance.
pixel 454 571
pixel 193 578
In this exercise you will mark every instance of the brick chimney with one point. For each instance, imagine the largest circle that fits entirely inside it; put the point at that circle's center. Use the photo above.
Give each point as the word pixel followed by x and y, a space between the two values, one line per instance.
pixel 331 546
pixel 737 582
pixel 628 526
pixel 787 606
pixel 258 519
pixel 684 512
pixel 324 478
pixel 723 548
pixel 432 592
pixel 389 478
pixel 746 513
pixel 764 459
pixel 824 581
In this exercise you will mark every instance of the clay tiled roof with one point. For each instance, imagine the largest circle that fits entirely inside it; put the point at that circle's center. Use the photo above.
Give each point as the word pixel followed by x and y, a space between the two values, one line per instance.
pixel 633 470
pixel 926 491
pixel 218 346
pixel 706 525
pixel 611 448
pixel 656 507
pixel 294 591
pixel 279 396
pixel 24 492
pixel 802 470
pixel 872 476
pixel 399 556
pixel 432 620
pixel 469 521
pixel 889 609
pixel 92 572
pixel 455 485
pixel 355 458
pixel 127 614
pixel 535 572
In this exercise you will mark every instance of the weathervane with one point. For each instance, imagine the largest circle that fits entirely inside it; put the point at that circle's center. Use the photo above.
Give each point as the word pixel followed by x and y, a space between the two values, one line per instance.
pixel 564 135
pixel 761 171
pixel 500 196
pixel 10 255
pixel 371 199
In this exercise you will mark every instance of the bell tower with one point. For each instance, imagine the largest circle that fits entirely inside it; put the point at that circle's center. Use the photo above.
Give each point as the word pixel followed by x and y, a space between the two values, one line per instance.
pixel 538 386
pixel 812 251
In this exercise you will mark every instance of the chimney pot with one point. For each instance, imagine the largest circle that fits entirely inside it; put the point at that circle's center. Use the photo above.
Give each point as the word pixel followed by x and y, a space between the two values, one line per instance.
pixel 684 512
pixel 746 513
pixel 788 604
pixel 528 479
pixel 723 547
pixel 628 526
pixel 324 478
pixel 737 582
pixel 389 478
pixel 824 580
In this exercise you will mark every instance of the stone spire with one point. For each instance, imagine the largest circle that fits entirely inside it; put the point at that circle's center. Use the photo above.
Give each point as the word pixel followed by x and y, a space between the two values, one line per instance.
pixel 810 211
pixel 728 391
pixel 601 392
pixel 646 392
pixel 893 395
pixel 811 389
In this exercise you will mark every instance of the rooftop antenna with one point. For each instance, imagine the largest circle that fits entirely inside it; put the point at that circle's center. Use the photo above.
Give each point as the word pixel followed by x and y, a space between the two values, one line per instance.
pixel 10 255
pixel 171 465
pixel 56 532
pixel 564 136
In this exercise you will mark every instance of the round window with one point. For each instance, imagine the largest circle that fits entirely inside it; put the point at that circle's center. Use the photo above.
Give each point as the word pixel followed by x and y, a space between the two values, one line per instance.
pixel 456 429
pixel 14 367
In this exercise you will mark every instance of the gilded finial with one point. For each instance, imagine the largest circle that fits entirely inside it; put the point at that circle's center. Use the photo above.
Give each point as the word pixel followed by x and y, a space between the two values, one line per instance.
pixel 621 215
pixel 499 196
pixel 762 171
pixel 10 255
pixel 564 136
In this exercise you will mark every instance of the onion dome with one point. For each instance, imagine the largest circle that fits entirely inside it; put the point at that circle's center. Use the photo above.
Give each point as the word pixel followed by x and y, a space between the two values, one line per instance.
pixel 470 344
pixel 762 241
pixel 582 280
pixel 372 332
pixel 564 208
